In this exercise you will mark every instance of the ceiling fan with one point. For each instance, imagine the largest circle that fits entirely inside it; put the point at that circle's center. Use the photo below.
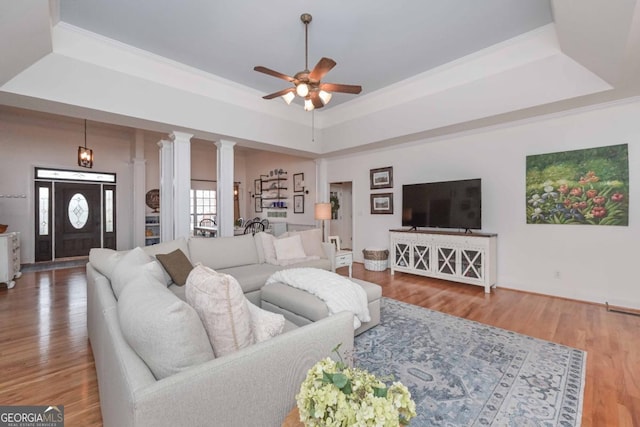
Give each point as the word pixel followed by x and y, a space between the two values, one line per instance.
pixel 307 84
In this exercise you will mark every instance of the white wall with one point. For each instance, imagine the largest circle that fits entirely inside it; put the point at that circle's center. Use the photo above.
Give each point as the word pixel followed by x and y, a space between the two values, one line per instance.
pixel 261 162
pixel 596 263
pixel 29 140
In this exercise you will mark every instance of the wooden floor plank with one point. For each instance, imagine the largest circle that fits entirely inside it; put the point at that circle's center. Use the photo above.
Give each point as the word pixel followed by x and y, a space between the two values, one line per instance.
pixel 45 356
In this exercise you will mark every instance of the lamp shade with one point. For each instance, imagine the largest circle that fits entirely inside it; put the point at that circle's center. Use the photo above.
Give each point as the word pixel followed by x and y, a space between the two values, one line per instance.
pixel 288 97
pixel 302 90
pixel 308 105
pixel 323 211
pixel 325 96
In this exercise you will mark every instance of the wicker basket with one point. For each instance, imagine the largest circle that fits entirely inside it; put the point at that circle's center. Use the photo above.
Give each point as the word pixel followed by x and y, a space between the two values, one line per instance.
pixel 375 259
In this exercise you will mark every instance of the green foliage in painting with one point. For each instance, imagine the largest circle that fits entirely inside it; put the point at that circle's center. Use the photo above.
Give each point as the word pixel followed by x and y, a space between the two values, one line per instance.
pixel 588 186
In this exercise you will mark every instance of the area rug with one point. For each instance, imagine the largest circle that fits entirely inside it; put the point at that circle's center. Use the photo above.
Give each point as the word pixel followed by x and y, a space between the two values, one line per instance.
pixel 465 373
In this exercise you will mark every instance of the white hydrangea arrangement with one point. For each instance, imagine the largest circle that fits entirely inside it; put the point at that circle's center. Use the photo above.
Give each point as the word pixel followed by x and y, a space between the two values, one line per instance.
pixel 335 395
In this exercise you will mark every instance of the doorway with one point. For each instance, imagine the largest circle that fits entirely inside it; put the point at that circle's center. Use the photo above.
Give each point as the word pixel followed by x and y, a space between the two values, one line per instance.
pixel 71 216
pixel 341 223
pixel 77 219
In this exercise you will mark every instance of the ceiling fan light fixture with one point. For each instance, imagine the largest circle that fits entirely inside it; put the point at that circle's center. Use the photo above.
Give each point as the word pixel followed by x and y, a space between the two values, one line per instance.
pixel 302 90
pixel 307 84
pixel 308 105
pixel 325 96
pixel 288 97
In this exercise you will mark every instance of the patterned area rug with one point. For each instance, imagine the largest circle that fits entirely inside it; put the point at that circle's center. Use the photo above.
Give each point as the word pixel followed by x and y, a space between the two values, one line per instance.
pixel 464 373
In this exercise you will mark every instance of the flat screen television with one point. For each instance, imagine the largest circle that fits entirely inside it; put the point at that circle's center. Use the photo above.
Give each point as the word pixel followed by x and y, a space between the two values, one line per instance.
pixel 449 204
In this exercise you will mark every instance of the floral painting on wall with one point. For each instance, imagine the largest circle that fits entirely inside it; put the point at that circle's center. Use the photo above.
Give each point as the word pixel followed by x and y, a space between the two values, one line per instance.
pixel 589 186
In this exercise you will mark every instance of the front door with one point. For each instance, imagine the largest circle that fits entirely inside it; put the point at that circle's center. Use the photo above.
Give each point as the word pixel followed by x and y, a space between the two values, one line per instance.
pixel 77 219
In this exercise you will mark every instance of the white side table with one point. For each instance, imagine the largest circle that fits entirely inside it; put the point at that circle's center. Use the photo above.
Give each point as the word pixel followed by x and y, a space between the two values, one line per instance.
pixel 345 259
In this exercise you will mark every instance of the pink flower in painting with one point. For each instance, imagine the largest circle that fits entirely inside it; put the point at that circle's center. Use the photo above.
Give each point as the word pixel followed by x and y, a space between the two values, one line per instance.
pixel 563 189
pixel 599 212
pixel 576 191
pixel 567 202
pixel 617 197
pixel 599 200
pixel 592 193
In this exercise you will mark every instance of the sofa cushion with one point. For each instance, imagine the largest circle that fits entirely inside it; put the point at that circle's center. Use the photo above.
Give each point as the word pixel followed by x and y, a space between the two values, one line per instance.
pixel 104 260
pixel 311 241
pixel 311 262
pixel 163 330
pixel 289 248
pixel 251 277
pixel 170 246
pixel 223 252
pixel 265 242
pixel 222 307
pixel 265 324
pixel 134 263
pixel 177 265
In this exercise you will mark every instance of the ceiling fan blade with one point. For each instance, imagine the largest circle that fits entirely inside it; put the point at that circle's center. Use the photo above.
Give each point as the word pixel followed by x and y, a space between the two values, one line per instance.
pixel 322 67
pixel 273 73
pixel 317 102
pixel 335 87
pixel 279 93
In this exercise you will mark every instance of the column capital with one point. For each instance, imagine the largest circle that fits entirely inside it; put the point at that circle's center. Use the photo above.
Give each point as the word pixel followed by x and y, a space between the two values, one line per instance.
pixel 225 144
pixel 164 143
pixel 177 136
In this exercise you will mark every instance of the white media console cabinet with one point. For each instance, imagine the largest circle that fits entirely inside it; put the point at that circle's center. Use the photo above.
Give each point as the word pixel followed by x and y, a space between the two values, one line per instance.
pixel 455 256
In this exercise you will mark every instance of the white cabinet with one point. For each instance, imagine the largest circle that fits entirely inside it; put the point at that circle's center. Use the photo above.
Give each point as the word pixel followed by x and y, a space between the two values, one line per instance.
pixel 152 229
pixel 459 257
pixel 9 258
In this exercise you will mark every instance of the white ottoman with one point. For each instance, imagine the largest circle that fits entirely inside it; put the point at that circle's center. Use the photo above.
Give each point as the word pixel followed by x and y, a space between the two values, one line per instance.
pixel 302 308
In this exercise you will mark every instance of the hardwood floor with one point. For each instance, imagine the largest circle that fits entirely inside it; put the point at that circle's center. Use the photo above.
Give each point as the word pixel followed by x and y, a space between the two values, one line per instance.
pixel 45 356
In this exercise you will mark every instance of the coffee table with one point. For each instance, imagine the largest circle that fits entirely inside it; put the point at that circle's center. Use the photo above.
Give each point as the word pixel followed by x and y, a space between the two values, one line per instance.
pixel 293 419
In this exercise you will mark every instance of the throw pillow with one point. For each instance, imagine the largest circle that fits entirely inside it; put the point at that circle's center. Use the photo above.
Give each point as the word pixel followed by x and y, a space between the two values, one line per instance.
pixel 132 264
pixel 269 251
pixel 222 307
pixel 289 248
pixel 104 260
pixel 265 324
pixel 177 265
pixel 312 242
pixel 162 329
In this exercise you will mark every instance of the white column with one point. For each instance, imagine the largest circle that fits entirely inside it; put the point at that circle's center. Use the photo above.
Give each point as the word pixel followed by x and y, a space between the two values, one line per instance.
pixel 322 190
pixel 139 189
pixel 181 183
pixel 225 174
pixel 166 190
pixel 322 182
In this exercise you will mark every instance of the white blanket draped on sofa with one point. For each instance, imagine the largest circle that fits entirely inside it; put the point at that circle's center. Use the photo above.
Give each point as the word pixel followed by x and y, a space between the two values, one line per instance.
pixel 338 292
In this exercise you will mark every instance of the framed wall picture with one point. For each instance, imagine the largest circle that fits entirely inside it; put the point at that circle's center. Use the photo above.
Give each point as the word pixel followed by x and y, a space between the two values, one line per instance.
pixel 381 178
pixel 258 201
pixel 382 203
pixel 298 182
pixel 257 187
pixel 335 240
pixel 298 203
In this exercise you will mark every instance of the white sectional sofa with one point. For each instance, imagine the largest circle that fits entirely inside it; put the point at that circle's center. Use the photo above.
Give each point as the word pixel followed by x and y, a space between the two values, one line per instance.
pixel 253 386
